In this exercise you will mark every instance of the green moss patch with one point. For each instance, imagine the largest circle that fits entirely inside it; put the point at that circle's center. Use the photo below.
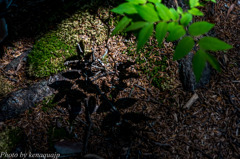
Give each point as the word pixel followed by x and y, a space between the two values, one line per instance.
pixel 50 51
pixel 9 138
pixel 48 55
pixel 5 86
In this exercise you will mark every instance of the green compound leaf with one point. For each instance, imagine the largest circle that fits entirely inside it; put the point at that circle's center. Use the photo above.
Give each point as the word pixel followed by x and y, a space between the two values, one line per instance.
pixel 161 31
pixel 199 63
pixel 147 12
pixel 176 31
pixel 213 44
pixel 128 8
pixel 137 1
pixel 213 61
pixel 121 25
pixel 136 26
pixel 199 28
pixel 194 3
pixel 186 19
pixel 211 1
pixel 179 10
pixel 174 14
pixel 155 1
pixel 144 35
pixel 196 12
pixel 183 48
pixel 163 11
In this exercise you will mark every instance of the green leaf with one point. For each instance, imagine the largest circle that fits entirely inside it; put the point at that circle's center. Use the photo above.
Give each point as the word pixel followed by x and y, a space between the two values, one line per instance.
pixel 176 31
pixel 186 19
pixel 199 28
pixel 137 1
pixel 121 25
pixel 155 1
pixel 147 12
pixel 194 3
pixel 163 11
pixel 136 25
pixel 213 44
pixel 213 61
pixel 174 14
pixel 179 10
pixel 144 35
pixel 183 48
pixel 161 31
pixel 199 63
pixel 128 8
pixel 196 12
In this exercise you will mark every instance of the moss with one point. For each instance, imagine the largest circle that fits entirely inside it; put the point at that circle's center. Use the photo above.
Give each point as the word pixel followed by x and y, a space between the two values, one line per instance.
pixel 9 138
pixel 48 104
pixel 50 51
pixel 5 86
pixel 48 55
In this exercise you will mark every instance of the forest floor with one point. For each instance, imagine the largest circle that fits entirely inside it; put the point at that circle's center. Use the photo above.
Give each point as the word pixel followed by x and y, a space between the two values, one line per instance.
pixel 153 118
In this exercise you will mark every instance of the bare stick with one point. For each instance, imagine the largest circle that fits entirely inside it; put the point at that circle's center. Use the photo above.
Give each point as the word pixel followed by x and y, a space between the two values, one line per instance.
pixel 191 101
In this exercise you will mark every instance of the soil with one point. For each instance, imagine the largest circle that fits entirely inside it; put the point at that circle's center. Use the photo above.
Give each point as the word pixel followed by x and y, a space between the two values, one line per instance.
pixel 150 122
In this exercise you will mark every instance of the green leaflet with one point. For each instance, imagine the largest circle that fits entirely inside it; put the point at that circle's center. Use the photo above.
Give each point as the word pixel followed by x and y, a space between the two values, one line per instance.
pixel 121 25
pixel 155 1
pixel 176 31
pixel 147 12
pixel 161 31
pixel 137 1
pixel 213 61
pixel 136 25
pixel 128 8
pixel 195 11
pixel 186 19
pixel 213 44
pixel 179 10
pixel 163 11
pixel 183 48
pixel 199 28
pixel 199 63
pixel 174 14
pixel 194 3
pixel 144 35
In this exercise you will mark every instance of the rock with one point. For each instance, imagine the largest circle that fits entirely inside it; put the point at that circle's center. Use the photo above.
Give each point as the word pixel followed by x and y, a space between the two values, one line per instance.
pixel 187 76
pixel 92 156
pixel 15 63
pixel 68 147
pixel 21 100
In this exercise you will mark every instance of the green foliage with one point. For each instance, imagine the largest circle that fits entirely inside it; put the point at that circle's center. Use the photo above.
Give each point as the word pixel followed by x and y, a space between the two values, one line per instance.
pixel 200 28
pixel 213 44
pixel 183 48
pixel 48 103
pixel 161 31
pixel 9 138
pixel 48 55
pixel 173 25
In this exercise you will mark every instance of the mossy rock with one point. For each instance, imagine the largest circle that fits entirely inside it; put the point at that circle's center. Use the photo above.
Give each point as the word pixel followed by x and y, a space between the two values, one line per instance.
pixel 5 86
pixel 10 138
pixel 50 51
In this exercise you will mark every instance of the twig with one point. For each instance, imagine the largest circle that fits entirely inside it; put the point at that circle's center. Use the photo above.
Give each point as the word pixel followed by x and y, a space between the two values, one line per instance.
pixel 88 129
pixel 102 75
pixel 106 52
pixel 70 62
pixel 130 94
pixel 140 87
pixel 102 68
pixel 191 101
